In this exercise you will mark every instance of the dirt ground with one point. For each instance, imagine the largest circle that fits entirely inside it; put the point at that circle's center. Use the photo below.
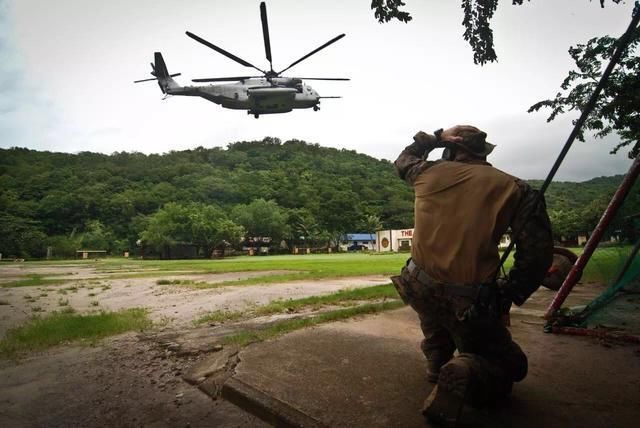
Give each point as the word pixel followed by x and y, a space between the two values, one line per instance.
pixel 157 378
pixel 123 382
pixel 133 379
pixel 175 305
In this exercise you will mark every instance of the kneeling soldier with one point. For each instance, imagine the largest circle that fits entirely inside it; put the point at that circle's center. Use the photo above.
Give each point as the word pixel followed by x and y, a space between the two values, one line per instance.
pixel 463 206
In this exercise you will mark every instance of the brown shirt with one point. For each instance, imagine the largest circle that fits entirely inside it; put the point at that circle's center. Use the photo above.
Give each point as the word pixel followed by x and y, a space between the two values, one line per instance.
pixel 461 211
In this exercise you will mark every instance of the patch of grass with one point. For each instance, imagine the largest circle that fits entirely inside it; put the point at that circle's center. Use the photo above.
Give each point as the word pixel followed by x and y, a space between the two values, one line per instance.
pixel 175 282
pixel 73 289
pixel 277 329
pixel 91 294
pixel 59 327
pixel 36 309
pixel 106 287
pixel 350 295
pixel 62 291
pixel 63 302
pixel 31 281
pixel 43 294
pixel 219 317
pixel 95 303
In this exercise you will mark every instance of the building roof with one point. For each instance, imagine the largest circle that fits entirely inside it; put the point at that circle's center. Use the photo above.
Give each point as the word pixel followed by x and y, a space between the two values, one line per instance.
pixel 361 237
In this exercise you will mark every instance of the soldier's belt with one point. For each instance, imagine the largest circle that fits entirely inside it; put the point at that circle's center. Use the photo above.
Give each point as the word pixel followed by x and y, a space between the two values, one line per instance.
pixel 472 291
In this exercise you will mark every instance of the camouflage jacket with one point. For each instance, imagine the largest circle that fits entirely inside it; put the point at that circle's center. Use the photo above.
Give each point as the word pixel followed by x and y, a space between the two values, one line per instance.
pixel 517 210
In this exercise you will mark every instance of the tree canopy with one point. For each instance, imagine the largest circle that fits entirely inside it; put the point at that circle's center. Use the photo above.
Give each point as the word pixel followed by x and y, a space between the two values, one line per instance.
pixel 477 15
pixel 618 108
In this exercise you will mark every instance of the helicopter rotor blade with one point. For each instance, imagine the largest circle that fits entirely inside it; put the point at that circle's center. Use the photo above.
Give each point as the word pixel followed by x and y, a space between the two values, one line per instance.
pixel 144 80
pixel 335 39
pixel 225 79
pixel 222 51
pixel 265 33
pixel 322 78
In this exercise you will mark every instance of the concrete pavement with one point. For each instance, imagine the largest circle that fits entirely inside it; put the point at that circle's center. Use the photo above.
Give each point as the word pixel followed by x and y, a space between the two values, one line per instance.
pixel 369 372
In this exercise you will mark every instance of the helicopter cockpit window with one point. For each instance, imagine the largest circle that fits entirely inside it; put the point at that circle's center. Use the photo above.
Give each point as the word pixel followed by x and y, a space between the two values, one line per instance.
pixel 299 87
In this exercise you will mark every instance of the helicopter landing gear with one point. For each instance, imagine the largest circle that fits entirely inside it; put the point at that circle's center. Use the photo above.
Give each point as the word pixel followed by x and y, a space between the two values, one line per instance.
pixel 256 115
pixel 316 108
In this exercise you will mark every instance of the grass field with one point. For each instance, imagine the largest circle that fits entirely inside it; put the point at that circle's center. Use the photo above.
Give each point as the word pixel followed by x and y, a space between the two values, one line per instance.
pixel 602 267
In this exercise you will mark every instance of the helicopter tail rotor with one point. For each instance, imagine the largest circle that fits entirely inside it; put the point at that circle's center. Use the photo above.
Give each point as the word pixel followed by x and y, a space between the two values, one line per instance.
pixel 161 74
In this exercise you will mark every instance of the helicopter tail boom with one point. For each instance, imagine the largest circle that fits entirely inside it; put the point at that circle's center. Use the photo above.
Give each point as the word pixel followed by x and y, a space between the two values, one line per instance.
pixel 161 74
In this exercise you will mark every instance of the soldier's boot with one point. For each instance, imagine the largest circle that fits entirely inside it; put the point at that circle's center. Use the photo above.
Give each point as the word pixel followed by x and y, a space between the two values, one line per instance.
pixel 434 365
pixel 448 403
pixel 437 354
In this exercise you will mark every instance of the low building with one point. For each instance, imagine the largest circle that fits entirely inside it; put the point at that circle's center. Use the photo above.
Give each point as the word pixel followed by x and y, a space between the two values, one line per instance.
pixel 394 240
pixel 358 241
pixel 401 239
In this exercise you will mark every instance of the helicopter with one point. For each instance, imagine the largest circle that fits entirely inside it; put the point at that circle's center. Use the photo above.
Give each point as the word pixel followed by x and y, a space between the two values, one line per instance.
pixel 266 94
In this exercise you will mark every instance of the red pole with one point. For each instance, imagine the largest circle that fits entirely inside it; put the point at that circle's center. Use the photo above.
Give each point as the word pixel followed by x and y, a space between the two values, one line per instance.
pixel 594 239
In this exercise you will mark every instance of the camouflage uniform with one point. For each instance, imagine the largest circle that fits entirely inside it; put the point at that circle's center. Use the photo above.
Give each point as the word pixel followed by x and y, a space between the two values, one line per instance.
pixel 446 294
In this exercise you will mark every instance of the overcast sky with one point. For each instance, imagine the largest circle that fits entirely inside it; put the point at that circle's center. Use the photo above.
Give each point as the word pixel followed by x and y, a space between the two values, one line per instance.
pixel 67 66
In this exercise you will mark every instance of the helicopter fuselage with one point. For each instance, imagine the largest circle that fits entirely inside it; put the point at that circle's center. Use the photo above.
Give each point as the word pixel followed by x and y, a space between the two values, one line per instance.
pixel 256 95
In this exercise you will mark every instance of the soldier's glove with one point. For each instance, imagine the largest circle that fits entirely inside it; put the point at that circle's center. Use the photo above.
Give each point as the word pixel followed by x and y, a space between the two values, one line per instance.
pixel 428 140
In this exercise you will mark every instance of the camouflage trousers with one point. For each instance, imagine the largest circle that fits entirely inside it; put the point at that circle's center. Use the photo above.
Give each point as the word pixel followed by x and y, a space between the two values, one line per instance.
pixel 483 342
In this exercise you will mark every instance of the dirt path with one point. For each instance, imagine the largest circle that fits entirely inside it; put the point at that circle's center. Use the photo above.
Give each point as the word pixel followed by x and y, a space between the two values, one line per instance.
pixel 123 382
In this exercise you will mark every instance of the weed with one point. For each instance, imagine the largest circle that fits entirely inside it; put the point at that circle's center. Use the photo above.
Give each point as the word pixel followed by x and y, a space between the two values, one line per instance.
pixel 95 303
pixel 63 302
pixel 43 294
pixel 36 309
pixel 91 294
pixel 249 336
pixel 219 317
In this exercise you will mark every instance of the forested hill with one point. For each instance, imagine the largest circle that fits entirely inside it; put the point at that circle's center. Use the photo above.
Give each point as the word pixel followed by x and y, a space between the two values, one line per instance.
pixel 91 199
pixel 59 193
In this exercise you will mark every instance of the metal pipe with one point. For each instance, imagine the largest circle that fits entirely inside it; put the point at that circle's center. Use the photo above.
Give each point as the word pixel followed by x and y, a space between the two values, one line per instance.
pixel 576 271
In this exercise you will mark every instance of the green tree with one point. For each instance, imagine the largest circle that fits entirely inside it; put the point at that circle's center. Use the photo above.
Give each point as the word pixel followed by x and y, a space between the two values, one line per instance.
pixel 262 218
pixel 305 229
pixel 618 108
pixel 21 237
pixel 371 223
pixel 476 22
pixel 96 236
pixel 198 224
